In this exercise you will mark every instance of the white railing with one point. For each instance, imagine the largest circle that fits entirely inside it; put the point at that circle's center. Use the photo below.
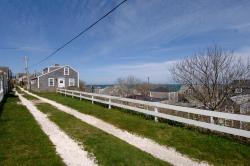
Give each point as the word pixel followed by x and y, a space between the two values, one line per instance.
pixel 160 110
pixel 1 90
pixel 1 95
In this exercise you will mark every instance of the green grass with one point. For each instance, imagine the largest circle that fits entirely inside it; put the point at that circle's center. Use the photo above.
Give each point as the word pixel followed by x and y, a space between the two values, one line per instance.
pixel 107 149
pixel 22 142
pixel 29 97
pixel 212 148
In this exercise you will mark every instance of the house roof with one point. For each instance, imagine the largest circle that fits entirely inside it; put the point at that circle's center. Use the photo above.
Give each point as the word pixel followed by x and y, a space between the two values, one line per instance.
pixel 5 69
pixel 241 83
pixel 54 71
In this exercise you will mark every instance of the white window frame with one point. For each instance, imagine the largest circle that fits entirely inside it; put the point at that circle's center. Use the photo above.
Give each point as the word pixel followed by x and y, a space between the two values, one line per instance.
pixel 49 82
pixel 66 69
pixel 238 90
pixel 72 80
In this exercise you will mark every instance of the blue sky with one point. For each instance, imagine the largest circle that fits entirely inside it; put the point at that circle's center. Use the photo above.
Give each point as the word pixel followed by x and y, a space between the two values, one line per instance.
pixel 141 38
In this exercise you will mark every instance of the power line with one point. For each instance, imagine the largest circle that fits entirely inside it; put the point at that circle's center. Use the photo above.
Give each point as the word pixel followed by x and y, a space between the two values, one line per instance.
pixel 81 33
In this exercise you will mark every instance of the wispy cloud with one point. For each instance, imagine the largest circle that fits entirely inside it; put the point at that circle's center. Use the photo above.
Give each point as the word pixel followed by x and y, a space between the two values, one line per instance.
pixel 158 72
pixel 141 38
pixel 27 48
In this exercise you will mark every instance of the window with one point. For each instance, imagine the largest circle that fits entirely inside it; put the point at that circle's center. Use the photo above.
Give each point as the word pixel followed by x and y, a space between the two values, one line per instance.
pixel 66 71
pixel 51 82
pixel 71 82
pixel 238 90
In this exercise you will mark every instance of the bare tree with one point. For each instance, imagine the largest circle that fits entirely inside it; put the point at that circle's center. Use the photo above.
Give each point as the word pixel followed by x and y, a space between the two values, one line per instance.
pixel 209 74
pixel 131 86
pixel 144 88
pixel 82 85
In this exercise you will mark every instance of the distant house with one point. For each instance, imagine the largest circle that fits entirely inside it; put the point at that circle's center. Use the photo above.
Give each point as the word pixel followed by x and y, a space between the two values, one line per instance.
pixel 54 77
pixel 3 84
pixel 241 87
pixel 21 79
pixel 6 78
pixel 241 95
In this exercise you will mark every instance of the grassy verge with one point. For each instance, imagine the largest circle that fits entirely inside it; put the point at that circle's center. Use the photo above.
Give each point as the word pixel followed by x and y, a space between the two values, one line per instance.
pixel 29 97
pixel 215 149
pixel 107 149
pixel 22 142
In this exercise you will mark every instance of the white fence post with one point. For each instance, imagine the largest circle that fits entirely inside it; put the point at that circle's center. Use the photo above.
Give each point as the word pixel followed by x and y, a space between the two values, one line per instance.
pixel 156 110
pixel 211 119
pixel 92 97
pixel 109 103
pixel 72 94
pixel 80 96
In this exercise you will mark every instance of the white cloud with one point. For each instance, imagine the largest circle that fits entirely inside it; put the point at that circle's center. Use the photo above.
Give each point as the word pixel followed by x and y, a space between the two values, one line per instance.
pixel 244 53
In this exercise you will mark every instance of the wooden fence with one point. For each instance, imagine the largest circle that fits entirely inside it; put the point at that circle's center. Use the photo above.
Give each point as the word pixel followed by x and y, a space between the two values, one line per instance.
pixel 191 116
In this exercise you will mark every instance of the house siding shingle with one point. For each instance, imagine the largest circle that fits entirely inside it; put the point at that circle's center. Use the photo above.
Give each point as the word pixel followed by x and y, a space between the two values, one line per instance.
pixel 43 80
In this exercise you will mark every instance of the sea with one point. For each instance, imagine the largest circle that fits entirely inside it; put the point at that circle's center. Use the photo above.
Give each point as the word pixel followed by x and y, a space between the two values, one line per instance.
pixel 171 87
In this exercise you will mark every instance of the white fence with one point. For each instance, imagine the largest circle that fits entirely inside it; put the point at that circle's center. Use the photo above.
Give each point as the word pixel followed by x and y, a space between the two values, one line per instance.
pixel 1 95
pixel 1 90
pixel 206 119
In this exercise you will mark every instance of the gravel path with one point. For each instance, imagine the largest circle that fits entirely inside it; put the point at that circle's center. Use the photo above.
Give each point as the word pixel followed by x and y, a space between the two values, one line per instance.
pixel 69 150
pixel 162 152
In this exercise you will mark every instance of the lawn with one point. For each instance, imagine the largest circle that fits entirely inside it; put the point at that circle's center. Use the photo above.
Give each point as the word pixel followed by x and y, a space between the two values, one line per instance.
pixel 107 149
pixel 22 142
pixel 212 148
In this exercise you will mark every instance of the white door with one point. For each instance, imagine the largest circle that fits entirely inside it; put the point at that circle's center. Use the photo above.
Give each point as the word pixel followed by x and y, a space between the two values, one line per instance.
pixel 61 82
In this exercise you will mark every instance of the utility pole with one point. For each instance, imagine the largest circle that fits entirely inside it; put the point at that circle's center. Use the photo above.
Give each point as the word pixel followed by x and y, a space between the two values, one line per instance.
pixel 148 87
pixel 26 59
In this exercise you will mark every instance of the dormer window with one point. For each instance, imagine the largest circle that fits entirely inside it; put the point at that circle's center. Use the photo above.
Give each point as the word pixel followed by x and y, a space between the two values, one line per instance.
pixel 66 71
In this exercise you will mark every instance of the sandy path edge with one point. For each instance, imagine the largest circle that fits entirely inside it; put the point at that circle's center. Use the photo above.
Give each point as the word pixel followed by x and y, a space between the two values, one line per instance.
pixel 71 153
pixel 150 146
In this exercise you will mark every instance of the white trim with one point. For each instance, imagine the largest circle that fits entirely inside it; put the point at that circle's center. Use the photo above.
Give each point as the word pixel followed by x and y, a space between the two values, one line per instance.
pixel 73 81
pixel 64 69
pixel 71 68
pixel 64 82
pixel 49 82
pixel 38 82
pixel 54 66
pixel 238 90
pixel 49 72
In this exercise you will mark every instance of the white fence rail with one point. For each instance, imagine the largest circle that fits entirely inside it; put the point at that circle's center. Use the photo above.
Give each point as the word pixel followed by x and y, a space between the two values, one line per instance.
pixel 1 95
pixel 1 90
pixel 159 110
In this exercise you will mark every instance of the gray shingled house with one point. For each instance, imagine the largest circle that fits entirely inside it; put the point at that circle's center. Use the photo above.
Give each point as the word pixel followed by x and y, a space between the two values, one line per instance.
pixel 7 73
pixel 54 77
